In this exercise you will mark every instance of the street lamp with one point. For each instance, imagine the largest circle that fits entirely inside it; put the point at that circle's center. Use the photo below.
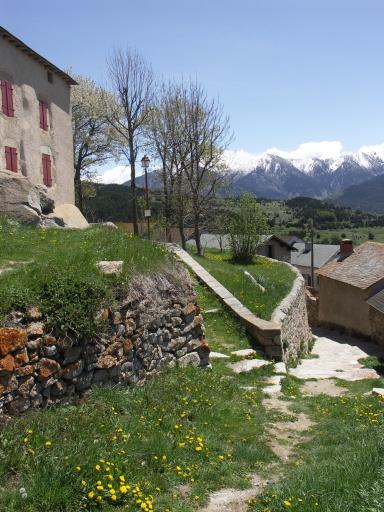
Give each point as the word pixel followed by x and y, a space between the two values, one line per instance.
pixel 147 212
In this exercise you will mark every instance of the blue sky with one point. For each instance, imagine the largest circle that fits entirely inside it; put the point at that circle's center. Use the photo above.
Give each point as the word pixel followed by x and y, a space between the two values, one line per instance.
pixel 287 71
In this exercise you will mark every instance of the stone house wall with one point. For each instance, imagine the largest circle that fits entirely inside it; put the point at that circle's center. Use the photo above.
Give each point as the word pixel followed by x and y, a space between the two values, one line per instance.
pixel 30 84
pixel 145 334
pixel 377 325
pixel 291 314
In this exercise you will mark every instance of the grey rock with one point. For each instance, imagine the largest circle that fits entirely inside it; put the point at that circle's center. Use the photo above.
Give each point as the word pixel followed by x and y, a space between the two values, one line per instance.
pixel 71 355
pixel 191 359
pixel 100 376
pixel 49 351
pixel 59 388
pixel 84 381
pixel 110 267
pixel 181 352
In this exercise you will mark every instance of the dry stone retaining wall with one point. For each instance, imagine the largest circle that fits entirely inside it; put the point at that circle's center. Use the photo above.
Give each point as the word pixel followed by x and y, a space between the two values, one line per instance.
pixel 291 314
pixel 145 333
pixel 286 335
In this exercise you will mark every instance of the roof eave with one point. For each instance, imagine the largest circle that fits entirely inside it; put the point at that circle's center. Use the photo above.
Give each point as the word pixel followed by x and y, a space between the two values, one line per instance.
pixel 26 49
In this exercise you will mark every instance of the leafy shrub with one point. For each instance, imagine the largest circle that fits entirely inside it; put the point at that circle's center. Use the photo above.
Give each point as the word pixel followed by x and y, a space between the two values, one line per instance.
pixel 246 227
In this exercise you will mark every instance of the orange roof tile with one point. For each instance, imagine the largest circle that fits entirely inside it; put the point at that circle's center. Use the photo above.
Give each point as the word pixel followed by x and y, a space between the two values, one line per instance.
pixel 362 269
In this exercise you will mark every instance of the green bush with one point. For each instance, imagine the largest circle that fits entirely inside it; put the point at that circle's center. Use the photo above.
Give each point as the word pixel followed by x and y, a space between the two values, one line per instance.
pixel 246 227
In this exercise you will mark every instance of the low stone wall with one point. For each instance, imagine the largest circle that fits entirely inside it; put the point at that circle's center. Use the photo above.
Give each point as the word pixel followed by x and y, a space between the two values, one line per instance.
pixel 156 325
pixel 291 315
pixel 286 335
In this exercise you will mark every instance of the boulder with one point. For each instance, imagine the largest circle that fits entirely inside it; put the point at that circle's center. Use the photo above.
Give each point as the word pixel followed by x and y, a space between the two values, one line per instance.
pixel 110 267
pixel 191 359
pixel 22 200
pixel 71 215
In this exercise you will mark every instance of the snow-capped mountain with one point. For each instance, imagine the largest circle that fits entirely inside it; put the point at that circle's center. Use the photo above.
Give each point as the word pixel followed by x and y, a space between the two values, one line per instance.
pixel 275 176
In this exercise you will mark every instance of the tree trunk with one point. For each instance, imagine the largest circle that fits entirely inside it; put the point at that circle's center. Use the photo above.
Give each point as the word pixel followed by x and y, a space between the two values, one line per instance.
pixel 196 225
pixel 182 234
pixel 132 158
pixel 78 189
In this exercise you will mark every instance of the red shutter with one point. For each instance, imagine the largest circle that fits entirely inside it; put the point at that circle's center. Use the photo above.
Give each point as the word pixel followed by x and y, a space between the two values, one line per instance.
pixel 7 98
pixel 11 159
pixel 4 97
pixel 9 89
pixel 43 110
pixel 14 159
pixel 8 158
pixel 47 170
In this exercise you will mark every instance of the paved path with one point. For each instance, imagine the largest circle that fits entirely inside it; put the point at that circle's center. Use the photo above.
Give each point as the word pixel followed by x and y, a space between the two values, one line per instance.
pixel 338 356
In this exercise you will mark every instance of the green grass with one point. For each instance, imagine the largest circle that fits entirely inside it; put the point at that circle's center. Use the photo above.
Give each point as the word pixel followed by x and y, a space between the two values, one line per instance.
pixel 276 278
pixel 357 235
pixel 341 467
pixel 57 271
pixel 139 431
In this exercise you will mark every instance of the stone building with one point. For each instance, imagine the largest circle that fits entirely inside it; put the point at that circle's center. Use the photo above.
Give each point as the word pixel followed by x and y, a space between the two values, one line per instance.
pixel 302 259
pixel 277 247
pixel 351 290
pixel 36 144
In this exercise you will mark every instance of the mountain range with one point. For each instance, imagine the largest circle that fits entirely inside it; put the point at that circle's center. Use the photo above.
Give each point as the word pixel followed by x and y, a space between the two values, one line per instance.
pixel 273 176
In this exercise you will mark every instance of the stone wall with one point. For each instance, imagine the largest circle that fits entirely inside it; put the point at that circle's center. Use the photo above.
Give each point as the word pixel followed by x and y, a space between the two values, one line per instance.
pixel 377 324
pixel 157 324
pixel 312 299
pixel 291 315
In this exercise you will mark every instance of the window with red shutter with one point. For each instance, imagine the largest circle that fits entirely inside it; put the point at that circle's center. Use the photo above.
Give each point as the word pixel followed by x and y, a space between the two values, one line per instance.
pixel 47 170
pixel 11 159
pixel 43 110
pixel 7 98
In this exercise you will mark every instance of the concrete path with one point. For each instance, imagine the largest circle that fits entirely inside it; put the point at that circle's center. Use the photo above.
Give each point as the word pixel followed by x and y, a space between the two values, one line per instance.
pixel 338 356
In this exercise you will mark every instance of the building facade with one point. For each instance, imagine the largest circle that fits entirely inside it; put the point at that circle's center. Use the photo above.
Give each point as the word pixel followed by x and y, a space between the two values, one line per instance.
pixel 351 290
pixel 36 140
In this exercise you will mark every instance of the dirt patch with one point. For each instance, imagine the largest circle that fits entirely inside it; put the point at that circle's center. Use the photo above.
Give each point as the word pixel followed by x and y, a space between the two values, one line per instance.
pixel 323 387
pixel 284 436
pixel 235 500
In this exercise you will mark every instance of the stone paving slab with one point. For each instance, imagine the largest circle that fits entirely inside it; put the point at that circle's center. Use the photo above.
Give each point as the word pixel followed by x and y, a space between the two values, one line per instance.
pixel 338 356
pixel 245 352
pixel 218 355
pixel 247 365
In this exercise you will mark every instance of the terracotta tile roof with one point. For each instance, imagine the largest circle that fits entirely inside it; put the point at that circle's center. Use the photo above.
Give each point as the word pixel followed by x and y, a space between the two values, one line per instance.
pixel 26 49
pixel 362 269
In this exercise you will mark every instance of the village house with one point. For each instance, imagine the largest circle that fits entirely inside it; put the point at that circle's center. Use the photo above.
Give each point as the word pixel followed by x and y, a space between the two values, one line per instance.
pixel 302 259
pixel 351 290
pixel 36 143
pixel 278 247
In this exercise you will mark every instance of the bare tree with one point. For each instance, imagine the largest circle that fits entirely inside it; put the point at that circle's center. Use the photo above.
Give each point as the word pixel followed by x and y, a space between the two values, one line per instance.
pixel 207 134
pixel 132 83
pixel 91 132
pixel 166 137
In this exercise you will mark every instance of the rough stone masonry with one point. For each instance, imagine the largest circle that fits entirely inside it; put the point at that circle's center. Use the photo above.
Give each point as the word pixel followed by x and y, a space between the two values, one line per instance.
pixel 145 333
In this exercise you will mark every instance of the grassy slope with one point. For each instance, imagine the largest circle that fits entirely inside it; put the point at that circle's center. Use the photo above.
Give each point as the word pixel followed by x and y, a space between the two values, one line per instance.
pixel 276 278
pixel 135 429
pixel 60 268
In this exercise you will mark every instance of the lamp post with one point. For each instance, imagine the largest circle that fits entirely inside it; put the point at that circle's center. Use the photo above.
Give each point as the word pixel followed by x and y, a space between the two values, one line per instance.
pixel 147 212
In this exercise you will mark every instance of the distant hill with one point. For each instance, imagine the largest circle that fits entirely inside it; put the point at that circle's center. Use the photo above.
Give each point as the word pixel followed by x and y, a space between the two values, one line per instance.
pixel 367 196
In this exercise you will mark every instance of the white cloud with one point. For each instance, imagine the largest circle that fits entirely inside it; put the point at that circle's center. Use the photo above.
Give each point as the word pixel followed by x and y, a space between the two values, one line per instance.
pixel 119 174
pixel 376 150
pixel 323 150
